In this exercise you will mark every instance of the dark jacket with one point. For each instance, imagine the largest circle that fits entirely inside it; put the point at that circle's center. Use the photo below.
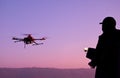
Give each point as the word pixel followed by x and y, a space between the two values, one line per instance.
pixel 108 55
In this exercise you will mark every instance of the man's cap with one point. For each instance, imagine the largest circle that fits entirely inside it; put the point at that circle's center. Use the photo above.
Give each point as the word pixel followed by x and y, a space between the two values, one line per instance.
pixel 108 21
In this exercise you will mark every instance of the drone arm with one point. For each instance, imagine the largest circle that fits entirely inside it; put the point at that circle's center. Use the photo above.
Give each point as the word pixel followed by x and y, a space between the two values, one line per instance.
pixel 37 43
pixel 20 39
pixel 44 38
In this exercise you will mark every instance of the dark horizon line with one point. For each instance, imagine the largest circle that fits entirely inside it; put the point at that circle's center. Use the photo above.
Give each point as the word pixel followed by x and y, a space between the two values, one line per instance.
pixel 38 68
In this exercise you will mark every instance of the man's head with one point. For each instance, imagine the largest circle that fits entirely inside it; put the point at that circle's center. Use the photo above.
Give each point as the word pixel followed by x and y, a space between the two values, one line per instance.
pixel 108 24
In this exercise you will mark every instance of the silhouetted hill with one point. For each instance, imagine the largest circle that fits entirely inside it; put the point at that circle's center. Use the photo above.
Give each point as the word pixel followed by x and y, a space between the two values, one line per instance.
pixel 45 73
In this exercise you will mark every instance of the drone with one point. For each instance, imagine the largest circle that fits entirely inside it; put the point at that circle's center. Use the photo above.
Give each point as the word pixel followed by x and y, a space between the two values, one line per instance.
pixel 28 40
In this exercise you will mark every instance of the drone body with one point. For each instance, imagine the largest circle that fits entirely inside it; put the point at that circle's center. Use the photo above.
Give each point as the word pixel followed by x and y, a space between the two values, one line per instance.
pixel 28 40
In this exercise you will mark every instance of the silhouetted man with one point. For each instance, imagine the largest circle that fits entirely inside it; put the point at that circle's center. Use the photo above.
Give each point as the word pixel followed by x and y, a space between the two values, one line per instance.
pixel 107 56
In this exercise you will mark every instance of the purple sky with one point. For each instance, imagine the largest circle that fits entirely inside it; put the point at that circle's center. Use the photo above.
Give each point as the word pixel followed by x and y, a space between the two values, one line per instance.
pixel 70 25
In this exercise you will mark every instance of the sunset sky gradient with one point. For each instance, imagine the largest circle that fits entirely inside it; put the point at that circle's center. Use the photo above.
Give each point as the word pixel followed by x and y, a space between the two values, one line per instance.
pixel 70 26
